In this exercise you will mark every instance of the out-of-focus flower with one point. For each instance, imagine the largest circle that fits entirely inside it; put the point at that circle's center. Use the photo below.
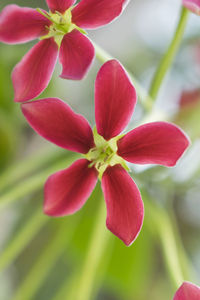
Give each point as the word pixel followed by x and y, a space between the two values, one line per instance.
pixel 188 115
pixel 187 291
pixel 60 30
pixel 105 151
pixel 193 5
pixel 190 98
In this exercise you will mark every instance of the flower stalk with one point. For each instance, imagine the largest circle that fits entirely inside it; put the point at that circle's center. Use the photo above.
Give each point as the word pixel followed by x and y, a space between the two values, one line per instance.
pixel 97 246
pixel 22 239
pixel 31 184
pixel 165 232
pixel 47 259
pixel 169 56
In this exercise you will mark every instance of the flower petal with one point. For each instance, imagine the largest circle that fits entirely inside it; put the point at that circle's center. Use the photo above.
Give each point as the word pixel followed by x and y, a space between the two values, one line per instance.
pixel 125 210
pixel 54 120
pixel 33 73
pixel 193 5
pixel 59 5
pixel 90 14
pixel 21 24
pixel 66 191
pixel 188 291
pixel 115 99
pixel 153 143
pixel 76 55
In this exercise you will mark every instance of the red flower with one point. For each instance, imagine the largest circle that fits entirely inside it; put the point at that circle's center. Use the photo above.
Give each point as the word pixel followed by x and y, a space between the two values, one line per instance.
pixel 61 31
pixel 104 151
pixel 187 291
pixel 193 5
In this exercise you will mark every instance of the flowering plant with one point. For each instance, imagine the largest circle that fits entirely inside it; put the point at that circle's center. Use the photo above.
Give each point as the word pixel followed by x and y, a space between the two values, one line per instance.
pixel 105 151
pixel 62 30
pixel 75 258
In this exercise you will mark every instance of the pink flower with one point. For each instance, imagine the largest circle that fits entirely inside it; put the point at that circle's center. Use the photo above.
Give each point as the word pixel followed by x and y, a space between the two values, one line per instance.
pixel 188 291
pixel 61 30
pixel 104 151
pixel 193 5
pixel 189 98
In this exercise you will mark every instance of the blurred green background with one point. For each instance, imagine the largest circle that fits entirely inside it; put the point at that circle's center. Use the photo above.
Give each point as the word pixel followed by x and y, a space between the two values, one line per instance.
pixel 44 258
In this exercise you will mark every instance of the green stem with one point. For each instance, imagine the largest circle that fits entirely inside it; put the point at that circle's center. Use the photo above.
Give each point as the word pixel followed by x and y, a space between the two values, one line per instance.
pixel 170 250
pixel 33 183
pixel 44 264
pixel 169 56
pixel 95 251
pixel 145 99
pixel 22 238
pixel 187 268
pixel 23 168
pixel 165 232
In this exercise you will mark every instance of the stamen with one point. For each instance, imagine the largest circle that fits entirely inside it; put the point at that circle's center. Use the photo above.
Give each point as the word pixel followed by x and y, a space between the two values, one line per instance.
pixel 45 14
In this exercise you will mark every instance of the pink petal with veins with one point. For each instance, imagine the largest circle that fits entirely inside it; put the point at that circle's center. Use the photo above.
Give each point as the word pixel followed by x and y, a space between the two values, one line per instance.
pixel 125 210
pixel 90 14
pixel 33 73
pixel 59 5
pixel 115 99
pixel 21 24
pixel 54 120
pixel 153 143
pixel 76 55
pixel 66 191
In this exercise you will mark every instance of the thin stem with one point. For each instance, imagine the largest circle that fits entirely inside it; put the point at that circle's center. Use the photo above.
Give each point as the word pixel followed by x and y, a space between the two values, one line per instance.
pixel 33 183
pixel 170 250
pixel 44 264
pixel 23 168
pixel 145 99
pixel 22 238
pixel 164 229
pixel 65 288
pixel 187 268
pixel 95 251
pixel 169 56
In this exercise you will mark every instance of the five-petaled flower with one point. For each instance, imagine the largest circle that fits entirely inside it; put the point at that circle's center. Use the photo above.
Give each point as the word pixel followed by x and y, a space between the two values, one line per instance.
pixel 104 151
pixel 60 30
pixel 193 5
pixel 188 291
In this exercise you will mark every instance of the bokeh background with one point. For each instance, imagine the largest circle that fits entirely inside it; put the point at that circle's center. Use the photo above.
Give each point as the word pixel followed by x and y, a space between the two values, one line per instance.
pixel 42 258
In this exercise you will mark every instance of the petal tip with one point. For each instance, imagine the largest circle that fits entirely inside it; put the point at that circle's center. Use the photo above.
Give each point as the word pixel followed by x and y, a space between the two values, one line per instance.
pixel 115 99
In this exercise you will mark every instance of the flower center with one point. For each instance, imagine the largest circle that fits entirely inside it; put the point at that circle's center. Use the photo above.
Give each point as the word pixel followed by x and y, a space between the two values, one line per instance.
pixel 61 24
pixel 104 154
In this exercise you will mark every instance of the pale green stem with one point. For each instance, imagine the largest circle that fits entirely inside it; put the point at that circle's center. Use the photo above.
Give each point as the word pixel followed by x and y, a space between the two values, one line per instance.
pixel 170 250
pixel 33 183
pixel 169 56
pixel 27 166
pixel 66 292
pixel 40 270
pixel 187 268
pixel 97 246
pixel 145 99
pixel 167 238
pixel 64 289
pixel 21 239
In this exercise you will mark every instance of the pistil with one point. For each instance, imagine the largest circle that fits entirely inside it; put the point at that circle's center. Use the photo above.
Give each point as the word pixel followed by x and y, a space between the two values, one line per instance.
pixel 61 25
pixel 104 154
